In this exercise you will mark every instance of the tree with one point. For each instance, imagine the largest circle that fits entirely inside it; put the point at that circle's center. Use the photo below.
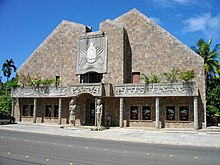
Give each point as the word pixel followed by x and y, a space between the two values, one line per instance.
pixel 5 94
pixel 1 85
pixel 7 67
pixel 213 101
pixel 212 73
pixel 5 103
pixel 210 56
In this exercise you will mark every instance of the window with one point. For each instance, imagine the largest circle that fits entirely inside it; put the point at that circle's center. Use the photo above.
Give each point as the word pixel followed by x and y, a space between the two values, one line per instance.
pixel 52 111
pixel 134 113
pixel 170 113
pixel 91 77
pixel 184 113
pixel 25 111
pixel 31 110
pixel 146 113
pixel 88 29
pixel 48 111
pixel 56 110
pixel 136 77
pixel 57 83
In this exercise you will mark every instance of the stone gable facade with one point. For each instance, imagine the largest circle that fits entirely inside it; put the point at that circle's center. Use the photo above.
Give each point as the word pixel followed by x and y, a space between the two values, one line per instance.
pixel 135 46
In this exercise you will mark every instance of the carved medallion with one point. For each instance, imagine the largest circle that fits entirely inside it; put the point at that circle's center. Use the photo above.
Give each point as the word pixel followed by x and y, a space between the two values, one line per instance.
pixel 92 54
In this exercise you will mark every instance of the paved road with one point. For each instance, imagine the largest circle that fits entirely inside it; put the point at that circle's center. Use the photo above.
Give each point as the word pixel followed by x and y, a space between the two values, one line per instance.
pixel 22 148
pixel 201 138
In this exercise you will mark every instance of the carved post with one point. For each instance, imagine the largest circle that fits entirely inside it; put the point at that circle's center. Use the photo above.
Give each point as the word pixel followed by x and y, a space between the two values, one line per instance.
pixel 157 112
pixel 59 111
pixel 99 110
pixel 196 123
pixel 35 110
pixel 121 112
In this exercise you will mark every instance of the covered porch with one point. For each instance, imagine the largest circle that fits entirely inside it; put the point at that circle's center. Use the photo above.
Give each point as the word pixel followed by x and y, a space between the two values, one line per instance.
pixel 134 105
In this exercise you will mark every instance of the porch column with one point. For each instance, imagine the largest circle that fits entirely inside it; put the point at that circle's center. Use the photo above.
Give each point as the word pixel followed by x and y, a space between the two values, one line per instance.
pixel 157 112
pixel 95 112
pixel 13 107
pixel 121 113
pixel 35 110
pixel 59 110
pixel 196 122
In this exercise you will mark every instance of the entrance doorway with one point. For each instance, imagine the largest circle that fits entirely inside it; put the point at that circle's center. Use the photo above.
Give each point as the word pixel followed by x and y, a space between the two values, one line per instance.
pixel 86 102
pixel 92 113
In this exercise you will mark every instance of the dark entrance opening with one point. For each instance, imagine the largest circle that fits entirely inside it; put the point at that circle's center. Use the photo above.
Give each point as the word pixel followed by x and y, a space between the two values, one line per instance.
pixel 86 102
pixel 92 113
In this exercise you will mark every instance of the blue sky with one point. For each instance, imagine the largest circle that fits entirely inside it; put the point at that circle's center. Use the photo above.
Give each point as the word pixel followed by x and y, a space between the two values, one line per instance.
pixel 24 24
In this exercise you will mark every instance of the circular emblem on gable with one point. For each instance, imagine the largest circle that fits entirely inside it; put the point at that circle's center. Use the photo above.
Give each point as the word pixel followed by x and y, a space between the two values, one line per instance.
pixel 91 53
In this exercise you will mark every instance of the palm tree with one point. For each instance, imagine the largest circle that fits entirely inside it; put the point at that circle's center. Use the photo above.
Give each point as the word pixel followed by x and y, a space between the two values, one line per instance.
pixel 7 67
pixel 211 58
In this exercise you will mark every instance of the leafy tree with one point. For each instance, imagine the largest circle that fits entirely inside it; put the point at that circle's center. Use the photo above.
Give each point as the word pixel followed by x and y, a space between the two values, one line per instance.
pixel 5 88
pixel 5 103
pixel 213 99
pixel 212 72
pixel 1 86
pixel 13 83
pixel 210 56
pixel 5 97
pixel 7 67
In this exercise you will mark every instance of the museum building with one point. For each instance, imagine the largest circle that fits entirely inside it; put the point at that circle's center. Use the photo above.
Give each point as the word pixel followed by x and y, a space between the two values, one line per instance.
pixel 109 65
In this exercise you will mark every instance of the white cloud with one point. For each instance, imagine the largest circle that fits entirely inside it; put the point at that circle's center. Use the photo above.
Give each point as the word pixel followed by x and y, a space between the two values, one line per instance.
pixel 163 3
pixel 204 23
pixel 173 3
pixel 156 20
pixel 198 23
pixel 183 1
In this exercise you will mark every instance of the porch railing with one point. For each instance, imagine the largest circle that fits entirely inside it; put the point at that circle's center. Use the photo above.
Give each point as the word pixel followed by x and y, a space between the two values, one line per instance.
pixel 70 91
pixel 118 90
pixel 155 89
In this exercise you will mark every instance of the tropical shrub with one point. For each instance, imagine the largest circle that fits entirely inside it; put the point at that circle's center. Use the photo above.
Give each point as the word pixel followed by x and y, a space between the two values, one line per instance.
pixel 35 81
pixel 187 75
pixel 153 78
pixel 172 76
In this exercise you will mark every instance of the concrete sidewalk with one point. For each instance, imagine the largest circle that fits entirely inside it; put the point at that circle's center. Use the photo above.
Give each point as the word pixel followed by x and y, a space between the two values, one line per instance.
pixel 201 138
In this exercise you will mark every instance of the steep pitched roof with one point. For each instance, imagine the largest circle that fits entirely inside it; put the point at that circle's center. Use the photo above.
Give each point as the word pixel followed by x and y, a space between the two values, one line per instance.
pixel 137 13
pixel 48 50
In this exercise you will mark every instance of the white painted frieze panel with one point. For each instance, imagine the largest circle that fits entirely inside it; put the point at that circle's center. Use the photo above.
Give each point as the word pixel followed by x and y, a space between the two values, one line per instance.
pixel 92 54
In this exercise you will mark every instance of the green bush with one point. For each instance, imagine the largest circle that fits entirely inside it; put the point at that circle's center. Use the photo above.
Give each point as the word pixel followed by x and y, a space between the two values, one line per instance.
pixel 172 76
pixel 5 103
pixel 187 75
pixel 151 79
